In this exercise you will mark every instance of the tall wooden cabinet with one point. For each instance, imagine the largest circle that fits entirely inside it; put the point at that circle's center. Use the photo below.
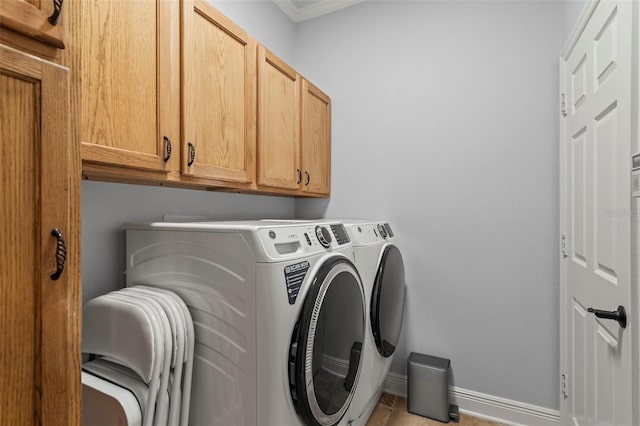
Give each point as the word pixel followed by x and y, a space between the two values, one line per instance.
pixel 39 249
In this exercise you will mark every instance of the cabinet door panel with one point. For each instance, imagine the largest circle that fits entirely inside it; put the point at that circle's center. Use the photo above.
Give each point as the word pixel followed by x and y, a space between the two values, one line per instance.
pixel 18 258
pixel 31 18
pixel 316 140
pixel 124 64
pixel 218 96
pixel 278 122
pixel 39 318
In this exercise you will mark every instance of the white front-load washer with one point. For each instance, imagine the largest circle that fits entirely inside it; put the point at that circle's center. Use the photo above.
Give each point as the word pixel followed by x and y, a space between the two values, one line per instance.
pixel 379 261
pixel 277 309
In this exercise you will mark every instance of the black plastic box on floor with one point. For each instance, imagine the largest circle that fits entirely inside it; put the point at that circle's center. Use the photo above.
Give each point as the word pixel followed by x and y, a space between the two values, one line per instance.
pixel 428 386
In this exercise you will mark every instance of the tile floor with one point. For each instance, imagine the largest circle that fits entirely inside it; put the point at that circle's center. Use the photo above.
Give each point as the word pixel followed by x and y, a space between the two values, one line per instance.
pixel 392 411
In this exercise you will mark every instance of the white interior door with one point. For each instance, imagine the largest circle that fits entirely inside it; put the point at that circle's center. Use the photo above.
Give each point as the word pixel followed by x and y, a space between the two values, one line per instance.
pixel 596 222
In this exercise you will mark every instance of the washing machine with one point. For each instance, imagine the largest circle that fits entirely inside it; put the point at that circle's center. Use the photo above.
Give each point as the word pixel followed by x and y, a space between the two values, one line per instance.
pixel 279 312
pixel 379 261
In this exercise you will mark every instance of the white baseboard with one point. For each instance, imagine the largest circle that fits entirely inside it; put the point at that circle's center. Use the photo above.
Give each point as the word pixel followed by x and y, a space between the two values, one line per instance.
pixel 485 406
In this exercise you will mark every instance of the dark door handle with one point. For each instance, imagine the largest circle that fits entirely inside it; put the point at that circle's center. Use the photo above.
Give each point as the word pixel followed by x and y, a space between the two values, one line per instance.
pixel 167 144
pixel 57 9
pixel 308 178
pixel 619 315
pixel 192 154
pixel 299 176
pixel 61 253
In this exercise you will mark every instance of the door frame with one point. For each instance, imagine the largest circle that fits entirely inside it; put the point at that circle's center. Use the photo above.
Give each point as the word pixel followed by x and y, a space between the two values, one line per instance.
pixel 634 321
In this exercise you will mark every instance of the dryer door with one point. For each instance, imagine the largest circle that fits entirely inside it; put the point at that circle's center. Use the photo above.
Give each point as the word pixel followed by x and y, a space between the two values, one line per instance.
pixel 324 361
pixel 387 301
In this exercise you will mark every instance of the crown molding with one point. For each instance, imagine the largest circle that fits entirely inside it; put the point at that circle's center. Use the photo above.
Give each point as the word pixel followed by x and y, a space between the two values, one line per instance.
pixel 313 10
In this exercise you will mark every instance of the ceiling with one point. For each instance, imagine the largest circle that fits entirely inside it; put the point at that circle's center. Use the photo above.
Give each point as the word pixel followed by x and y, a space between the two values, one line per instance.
pixel 301 10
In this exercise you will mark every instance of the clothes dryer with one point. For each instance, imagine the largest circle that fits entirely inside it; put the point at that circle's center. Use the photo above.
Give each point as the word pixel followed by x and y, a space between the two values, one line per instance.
pixel 379 261
pixel 273 305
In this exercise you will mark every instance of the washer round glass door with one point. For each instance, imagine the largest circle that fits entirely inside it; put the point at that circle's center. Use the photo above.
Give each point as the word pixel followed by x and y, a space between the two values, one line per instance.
pixel 326 344
pixel 387 301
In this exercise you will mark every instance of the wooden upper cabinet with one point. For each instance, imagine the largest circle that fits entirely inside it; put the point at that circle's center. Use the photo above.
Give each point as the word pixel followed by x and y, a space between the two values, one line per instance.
pixel 129 54
pixel 315 140
pixel 173 91
pixel 39 313
pixel 278 122
pixel 42 20
pixel 218 95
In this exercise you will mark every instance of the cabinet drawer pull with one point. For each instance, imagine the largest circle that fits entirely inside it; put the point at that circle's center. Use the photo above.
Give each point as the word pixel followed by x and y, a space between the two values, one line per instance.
pixel 308 176
pixel 57 9
pixel 192 154
pixel 167 145
pixel 61 253
pixel 299 176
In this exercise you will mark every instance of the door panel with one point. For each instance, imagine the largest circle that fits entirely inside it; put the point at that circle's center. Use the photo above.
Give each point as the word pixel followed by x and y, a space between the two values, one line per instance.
pixel 316 139
pixel 125 82
pixel 598 195
pixel 579 84
pixel 579 208
pixel 19 122
pixel 606 48
pixel 39 319
pixel 218 96
pixel 606 156
pixel 579 372
pixel 278 122
pixel 605 384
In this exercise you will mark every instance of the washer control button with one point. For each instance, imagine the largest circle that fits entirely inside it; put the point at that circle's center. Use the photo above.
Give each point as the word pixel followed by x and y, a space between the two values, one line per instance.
pixel 324 236
pixel 272 235
pixel 382 230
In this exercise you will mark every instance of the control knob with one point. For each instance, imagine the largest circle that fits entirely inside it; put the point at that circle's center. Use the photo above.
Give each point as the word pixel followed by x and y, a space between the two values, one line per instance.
pixel 382 230
pixel 324 236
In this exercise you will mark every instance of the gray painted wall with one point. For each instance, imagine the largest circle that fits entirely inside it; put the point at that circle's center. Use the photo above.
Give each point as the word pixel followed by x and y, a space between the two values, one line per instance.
pixel 571 13
pixel 107 206
pixel 264 21
pixel 445 122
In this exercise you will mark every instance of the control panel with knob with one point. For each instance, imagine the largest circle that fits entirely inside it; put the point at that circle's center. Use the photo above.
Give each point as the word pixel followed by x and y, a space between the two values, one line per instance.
pixel 382 231
pixel 324 236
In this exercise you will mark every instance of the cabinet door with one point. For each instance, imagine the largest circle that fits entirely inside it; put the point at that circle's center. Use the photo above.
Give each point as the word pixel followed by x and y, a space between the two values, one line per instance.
pixel 128 82
pixel 278 122
pixel 38 19
pixel 316 140
pixel 219 96
pixel 39 316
